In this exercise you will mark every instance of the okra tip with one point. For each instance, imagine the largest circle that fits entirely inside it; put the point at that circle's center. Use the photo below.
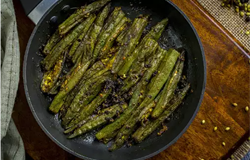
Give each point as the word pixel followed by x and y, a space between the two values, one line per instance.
pixel 112 148
pixel 164 21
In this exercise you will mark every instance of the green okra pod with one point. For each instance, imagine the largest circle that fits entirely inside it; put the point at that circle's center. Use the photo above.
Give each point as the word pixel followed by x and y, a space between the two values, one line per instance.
pixel 168 90
pixel 86 46
pixel 72 112
pixel 69 85
pixel 140 90
pixel 89 109
pixel 110 131
pixel 121 36
pixel 124 133
pixel 140 66
pixel 51 59
pixel 146 112
pixel 69 130
pixel 164 71
pixel 78 16
pixel 133 37
pixel 51 77
pixel 144 131
pixel 154 34
pixel 91 40
pixel 84 97
pixel 54 39
pixel 91 72
pixel 89 21
pixel 105 33
pixel 161 78
pixel 110 40
pixel 99 120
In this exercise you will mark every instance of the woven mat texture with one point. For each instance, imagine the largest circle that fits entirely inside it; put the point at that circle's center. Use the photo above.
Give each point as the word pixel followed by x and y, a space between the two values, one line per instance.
pixel 229 19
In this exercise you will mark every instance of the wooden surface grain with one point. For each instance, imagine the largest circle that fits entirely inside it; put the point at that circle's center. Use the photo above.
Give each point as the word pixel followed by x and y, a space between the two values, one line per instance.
pixel 227 82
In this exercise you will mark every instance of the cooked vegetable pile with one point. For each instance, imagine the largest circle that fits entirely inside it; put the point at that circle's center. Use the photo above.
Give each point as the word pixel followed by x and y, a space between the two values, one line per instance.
pixel 241 6
pixel 122 81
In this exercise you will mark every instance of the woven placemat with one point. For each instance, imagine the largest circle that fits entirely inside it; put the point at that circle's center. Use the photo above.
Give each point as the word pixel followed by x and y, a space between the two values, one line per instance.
pixel 242 153
pixel 229 19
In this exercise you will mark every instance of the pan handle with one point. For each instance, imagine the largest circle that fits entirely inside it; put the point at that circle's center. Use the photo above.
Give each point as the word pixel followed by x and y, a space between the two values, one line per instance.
pixel 35 9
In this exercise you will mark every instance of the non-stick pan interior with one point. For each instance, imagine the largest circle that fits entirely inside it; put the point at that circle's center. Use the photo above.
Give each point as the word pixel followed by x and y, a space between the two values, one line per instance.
pixel 179 33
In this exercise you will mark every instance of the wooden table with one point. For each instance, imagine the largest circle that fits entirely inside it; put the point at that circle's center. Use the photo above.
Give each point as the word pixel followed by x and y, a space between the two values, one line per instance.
pixel 227 82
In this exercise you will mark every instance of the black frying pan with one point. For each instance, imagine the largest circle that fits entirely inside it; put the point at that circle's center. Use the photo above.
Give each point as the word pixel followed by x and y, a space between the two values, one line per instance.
pixel 179 33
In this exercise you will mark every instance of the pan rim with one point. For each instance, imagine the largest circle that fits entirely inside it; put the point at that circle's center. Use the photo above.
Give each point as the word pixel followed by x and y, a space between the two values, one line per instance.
pixel 82 156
